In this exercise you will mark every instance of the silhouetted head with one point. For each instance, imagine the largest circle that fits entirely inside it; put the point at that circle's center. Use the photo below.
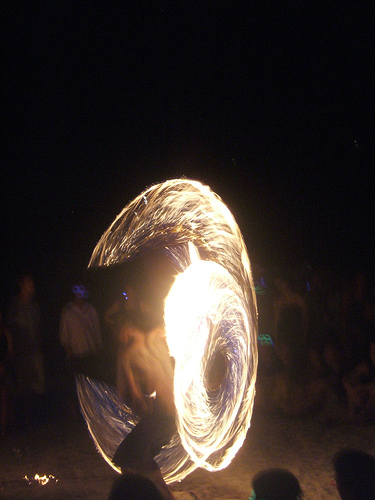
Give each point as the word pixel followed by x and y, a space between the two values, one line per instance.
pixel 26 287
pixel 80 292
pixel 80 295
pixel 130 297
pixel 355 474
pixel 276 484
pixel 134 486
pixel 282 286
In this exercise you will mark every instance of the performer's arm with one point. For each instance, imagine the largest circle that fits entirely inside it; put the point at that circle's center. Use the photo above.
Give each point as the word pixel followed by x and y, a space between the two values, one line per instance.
pixel 127 386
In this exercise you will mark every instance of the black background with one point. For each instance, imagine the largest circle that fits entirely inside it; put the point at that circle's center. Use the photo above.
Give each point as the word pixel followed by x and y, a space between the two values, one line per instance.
pixel 270 103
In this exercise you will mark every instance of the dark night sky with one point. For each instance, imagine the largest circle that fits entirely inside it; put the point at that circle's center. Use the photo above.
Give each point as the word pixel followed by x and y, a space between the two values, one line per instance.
pixel 271 105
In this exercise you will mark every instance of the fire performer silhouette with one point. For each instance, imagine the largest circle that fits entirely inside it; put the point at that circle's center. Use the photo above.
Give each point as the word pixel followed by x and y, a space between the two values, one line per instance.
pixel 203 399
pixel 145 383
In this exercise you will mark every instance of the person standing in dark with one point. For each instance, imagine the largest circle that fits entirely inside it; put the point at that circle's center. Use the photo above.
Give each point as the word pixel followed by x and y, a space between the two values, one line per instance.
pixel 80 333
pixel 6 376
pixel 359 384
pixel 24 320
pixel 291 321
pixel 120 310
pixel 298 387
pixel 355 324
pixel 80 337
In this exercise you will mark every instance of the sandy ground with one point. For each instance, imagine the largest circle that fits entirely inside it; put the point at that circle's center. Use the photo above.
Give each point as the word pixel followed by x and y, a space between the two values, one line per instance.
pixel 62 447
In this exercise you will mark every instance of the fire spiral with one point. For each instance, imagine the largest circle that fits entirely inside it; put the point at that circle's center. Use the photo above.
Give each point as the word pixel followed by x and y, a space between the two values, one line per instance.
pixel 210 321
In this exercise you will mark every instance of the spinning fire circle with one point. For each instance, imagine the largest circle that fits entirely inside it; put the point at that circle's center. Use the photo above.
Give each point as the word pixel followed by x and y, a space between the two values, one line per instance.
pixel 210 322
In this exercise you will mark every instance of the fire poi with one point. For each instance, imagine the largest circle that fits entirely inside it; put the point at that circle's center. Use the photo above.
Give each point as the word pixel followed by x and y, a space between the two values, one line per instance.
pixel 209 314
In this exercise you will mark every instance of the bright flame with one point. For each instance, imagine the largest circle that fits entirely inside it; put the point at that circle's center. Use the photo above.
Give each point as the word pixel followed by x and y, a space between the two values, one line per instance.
pixel 42 480
pixel 205 315
pixel 210 319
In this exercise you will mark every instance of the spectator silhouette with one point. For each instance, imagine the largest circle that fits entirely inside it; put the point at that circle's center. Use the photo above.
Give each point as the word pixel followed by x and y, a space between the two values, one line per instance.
pixel 298 388
pixel 6 376
pixel 355 474
pixel 24 322
pixel 323 319
pixel 114 318
pixel 118 312
pixel 355 324
pixel 290 314
pixel 359 384
pixel 81 339
pixel 275 484
pixel 80 331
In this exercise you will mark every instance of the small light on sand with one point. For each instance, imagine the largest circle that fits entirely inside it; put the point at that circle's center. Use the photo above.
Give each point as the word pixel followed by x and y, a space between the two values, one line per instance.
pixel 41 480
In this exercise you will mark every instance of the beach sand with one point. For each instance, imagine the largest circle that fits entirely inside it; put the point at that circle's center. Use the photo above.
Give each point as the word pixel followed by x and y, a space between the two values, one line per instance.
pixel 62 447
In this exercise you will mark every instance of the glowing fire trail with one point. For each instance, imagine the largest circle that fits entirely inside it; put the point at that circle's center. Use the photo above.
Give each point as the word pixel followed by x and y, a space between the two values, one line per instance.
pixel 210 314
pixel 40 480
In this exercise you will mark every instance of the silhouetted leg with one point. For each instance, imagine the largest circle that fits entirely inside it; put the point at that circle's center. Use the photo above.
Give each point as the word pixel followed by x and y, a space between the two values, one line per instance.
pixel 138 450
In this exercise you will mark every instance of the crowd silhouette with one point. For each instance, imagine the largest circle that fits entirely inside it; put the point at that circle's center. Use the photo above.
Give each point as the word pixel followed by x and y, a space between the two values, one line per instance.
pixel 316 344
pixel 22 363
